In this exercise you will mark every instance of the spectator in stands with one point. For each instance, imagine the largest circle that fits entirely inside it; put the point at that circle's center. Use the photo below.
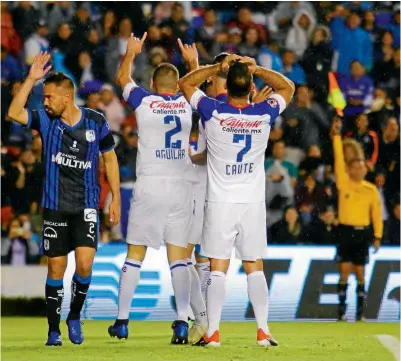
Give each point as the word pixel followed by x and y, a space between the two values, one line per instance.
pixel 305 122
pixel 300 33
pixel 280 181
pixel 9 37
pixel 329 185
pixel 61 41
pixel 244 22
pixel 387 72
pixel 269 57
pixel 380 181
pixel 317 62
pixel 289 230
pixel 110 27
pixel 358 91
pixel 234 40
pixel 61 13
pixel 369 25
pixel 350 43
pixel 126 151
pixel 81 22
pixel 380 111
pixel 286 11
pixel 10 68
pixel 310 198
pixel 389 154
pixel 92 101
pixel 323 230
pixel 17 249
pixel 37 42
pixel 384 47
pixel 291 69
pixel 111 107
pixel 394 224
pixel 115 48
pixel 206 34
pixel 312 163
pixel 25 18
pixel 177 23
pixel 250 47
pixel 394 26
pixel 367 138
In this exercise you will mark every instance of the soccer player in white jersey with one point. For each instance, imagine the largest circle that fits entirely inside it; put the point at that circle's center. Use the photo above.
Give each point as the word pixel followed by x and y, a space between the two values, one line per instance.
pixel 162 206
pixel 237 133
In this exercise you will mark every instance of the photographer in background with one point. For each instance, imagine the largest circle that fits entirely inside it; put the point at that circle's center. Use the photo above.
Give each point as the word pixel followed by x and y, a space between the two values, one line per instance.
pixel 359 207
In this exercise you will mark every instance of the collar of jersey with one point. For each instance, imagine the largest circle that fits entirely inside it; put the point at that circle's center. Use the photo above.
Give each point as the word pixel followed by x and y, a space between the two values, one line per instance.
pixel 236 107
pixel 69 127
pixel 167 96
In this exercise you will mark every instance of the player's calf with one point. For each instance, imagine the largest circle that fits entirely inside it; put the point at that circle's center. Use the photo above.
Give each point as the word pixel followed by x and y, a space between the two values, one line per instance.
pixel 54 293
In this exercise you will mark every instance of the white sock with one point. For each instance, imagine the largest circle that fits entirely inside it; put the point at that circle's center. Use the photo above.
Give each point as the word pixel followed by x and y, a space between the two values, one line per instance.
pixel 216 293
pixel 203 270
pixel 181 281
pixel 129 279
pixel 196 300
pixel 258 295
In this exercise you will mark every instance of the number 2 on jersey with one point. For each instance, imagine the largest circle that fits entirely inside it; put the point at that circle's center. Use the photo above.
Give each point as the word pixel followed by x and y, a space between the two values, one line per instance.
pixel 167 140
pixel 248 141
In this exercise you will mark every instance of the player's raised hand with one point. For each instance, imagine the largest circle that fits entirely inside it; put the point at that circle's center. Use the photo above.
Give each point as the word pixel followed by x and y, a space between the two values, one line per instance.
pixel 251 62
pixel 189 52
pixel 134 45
pixel 225 64
pixel 38 68
pixel 115 212
pixel 336 127
pixel 262 95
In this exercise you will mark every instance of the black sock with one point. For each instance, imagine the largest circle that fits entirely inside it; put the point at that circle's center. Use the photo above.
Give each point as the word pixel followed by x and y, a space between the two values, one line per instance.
pixel 54 293
pixel 120 322
pixel 360 293
pixel 342 296
pixel 79 289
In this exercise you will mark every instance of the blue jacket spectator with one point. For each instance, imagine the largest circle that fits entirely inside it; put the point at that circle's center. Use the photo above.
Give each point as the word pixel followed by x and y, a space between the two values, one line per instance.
pixel 10 67
pixel 351 42
pixel 291 69
pixel 394 27
pixel 357 89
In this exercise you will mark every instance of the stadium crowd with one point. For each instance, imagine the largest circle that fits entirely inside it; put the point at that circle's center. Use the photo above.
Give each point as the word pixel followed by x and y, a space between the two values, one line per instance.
pixel 358 40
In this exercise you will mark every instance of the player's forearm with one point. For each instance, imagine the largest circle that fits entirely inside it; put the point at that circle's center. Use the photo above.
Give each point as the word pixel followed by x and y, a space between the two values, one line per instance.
pixel 113 174
pixel 279 82
pixel 197 77
pixel 339 162
pixel 192 65
pixel 125 69
pixel 19 100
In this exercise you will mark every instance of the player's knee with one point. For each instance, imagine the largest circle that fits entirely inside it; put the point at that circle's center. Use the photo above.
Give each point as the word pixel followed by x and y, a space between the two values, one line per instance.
pixel 84 269
pixel 254 266
pixel 55 270
pixel 136 253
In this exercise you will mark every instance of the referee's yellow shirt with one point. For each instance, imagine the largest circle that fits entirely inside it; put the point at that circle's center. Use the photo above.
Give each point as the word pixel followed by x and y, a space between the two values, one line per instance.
pixel 358 202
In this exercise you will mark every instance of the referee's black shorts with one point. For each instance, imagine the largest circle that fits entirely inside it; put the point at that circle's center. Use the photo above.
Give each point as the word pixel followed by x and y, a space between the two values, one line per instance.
pixel 353 244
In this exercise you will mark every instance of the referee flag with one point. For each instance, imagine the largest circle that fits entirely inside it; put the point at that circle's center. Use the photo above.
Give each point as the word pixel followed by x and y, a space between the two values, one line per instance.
pixel 336 98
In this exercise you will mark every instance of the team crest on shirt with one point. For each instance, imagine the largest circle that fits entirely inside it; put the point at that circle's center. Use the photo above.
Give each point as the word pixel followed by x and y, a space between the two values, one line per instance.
pixel 90 135
pixel 272 102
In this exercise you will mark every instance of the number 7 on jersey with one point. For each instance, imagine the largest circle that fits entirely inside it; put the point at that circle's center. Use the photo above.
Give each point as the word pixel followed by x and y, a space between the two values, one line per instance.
pixel 237 138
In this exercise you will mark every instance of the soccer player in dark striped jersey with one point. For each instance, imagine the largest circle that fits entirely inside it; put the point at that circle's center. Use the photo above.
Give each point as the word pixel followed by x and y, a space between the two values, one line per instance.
pixel 72 139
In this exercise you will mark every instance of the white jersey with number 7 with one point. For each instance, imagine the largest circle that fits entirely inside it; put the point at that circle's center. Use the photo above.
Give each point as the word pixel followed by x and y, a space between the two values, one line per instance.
pixel 236 143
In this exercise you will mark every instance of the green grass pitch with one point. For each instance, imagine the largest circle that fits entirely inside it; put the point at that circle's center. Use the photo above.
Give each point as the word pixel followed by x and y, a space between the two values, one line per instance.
pixel 24 339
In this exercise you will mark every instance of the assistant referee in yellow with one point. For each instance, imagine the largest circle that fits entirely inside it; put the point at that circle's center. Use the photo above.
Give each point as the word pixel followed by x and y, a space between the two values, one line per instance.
pixel 358 208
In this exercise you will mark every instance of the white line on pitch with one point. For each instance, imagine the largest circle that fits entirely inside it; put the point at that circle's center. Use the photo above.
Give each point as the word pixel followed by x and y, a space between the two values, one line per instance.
pixel 390 343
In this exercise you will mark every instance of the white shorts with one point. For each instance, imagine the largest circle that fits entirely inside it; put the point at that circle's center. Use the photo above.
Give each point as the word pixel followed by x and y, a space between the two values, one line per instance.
pixel 195 234
pixel 239 225
pixel 162 209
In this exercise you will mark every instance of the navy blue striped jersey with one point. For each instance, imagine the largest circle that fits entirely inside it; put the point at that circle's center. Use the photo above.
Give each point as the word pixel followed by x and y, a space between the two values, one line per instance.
pixel 71 156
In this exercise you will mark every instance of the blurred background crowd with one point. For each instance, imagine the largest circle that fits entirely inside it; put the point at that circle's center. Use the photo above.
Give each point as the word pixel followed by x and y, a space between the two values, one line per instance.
pixel 358 40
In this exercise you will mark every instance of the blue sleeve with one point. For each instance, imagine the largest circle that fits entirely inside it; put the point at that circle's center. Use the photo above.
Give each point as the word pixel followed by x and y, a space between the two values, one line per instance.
pixel 136 96
pixel 336 27
pixel 38 120
pixel 204 105
pixel 368 51
pixel 270 106
pixel 302 76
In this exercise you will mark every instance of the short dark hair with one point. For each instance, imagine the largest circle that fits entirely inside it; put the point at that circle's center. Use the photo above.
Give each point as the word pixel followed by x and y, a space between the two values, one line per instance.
pixel 218 59
pixel 166 75
pixel 60 79
pixel 239 80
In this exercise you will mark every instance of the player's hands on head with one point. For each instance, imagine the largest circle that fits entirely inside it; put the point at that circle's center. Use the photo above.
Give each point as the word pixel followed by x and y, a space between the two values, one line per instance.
pixel 225 64
pixel 134 45
pixel 115 212
pixel 39 68
pixel 251 62
pixel 261 96
pixel 189 52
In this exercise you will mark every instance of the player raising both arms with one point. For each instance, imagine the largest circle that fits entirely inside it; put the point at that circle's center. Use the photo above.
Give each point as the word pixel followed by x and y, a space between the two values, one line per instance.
pixel 162 206
pixel 235 215
pixel 72 138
